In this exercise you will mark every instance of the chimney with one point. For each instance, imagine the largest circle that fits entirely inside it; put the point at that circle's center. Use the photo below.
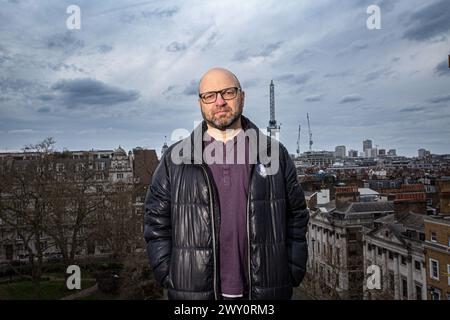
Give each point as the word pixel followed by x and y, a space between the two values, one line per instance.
pixel 345 195
pixel 405 203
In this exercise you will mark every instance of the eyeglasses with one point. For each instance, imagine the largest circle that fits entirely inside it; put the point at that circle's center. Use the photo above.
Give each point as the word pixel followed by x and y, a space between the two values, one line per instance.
pixel 226 94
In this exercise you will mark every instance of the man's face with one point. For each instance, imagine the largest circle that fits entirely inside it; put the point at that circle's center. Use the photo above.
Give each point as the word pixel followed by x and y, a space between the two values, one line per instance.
pixel 221 114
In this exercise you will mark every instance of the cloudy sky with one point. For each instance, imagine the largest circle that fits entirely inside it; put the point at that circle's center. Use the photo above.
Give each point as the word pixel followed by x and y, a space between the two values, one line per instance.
pixel 129 76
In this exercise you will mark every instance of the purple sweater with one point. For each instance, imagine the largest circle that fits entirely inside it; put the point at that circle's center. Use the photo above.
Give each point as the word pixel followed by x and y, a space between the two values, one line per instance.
pixel 232 184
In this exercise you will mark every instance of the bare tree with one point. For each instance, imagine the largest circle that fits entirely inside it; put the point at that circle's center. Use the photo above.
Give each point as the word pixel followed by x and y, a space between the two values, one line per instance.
pixel 24 201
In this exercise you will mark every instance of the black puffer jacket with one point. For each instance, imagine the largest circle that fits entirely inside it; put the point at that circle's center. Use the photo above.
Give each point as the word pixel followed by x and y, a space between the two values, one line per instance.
pixel 182 219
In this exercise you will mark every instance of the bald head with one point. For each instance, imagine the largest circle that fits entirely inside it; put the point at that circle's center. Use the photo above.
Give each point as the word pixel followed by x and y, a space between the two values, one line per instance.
pixel 216 79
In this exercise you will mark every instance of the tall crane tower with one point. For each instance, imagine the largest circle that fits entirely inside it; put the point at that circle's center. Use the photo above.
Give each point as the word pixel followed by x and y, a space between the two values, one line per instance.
pixel 273 129
pixel 298 140
pixel 310 133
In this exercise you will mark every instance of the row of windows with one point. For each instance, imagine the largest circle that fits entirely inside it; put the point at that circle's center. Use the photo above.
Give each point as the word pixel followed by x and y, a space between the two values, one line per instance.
pixel 417 264
pixel 433 238
pixel 325 231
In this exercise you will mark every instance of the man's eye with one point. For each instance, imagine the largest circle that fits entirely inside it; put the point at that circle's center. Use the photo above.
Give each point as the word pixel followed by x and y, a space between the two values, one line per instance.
pixel 229 92
pixel 208 96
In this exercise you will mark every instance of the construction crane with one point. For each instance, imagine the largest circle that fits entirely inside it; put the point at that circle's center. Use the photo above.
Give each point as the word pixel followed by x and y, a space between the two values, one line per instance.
pixel 298 141
pixel 310 133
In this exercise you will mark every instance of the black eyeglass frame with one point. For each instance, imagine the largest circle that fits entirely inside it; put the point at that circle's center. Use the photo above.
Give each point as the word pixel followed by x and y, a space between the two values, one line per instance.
pixel 200 95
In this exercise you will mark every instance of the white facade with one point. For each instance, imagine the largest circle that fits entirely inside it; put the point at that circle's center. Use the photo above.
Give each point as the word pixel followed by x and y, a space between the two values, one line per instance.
pixel 403 272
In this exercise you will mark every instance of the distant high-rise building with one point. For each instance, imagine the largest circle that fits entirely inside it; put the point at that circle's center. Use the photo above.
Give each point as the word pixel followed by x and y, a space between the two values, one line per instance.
pixel 353 153
pixel 382 152
pixel 339 152
pixel 392 152
pixel 367 144
pixel 374 152
pixel 421 153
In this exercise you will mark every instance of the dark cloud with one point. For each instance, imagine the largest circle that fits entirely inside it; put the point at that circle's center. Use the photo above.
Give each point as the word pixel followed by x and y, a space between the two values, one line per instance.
pixel 44 110
pixel 429 22
pixel 66 67
pixel 46 97
pixel 243 55
pixel 66 42
pixel 442 68
pixel 314 98
pixel 412 109
pixel 88 92
pixel 176 46
pixel 440 99
pixel 191 89
pixel 351 98
pixel 16 85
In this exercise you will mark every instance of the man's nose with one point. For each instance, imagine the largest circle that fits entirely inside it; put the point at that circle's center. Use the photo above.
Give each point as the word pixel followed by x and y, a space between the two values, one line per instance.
pixel 220 101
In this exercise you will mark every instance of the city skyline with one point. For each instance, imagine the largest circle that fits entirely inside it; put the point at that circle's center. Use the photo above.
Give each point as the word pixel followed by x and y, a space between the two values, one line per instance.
pixel 129 76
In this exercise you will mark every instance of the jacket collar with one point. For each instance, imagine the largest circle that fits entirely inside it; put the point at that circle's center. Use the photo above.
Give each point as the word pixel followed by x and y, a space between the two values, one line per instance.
pixel 194 142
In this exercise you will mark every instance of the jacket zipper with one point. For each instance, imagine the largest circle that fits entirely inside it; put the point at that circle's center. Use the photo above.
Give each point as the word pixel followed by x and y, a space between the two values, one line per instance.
pixel 213 232
pixel 248 238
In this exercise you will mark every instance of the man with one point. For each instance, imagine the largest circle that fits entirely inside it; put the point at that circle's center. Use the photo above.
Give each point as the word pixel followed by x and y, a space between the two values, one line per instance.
pixel 226 229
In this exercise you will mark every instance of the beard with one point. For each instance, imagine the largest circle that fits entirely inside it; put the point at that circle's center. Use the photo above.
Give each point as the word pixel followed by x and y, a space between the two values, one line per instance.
pixel 224 121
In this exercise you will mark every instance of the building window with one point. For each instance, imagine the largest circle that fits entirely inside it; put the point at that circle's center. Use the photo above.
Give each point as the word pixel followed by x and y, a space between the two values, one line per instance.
pixel 120 176
pixel 434 269
pixel 448 241
pixel 448 274
pixel 391 281
pixel 379 251
pixel 417 264
pixel 418 292
pixel 433 237
pixel 391 255
pixel 403 260
pixel 436 294
pixel 404 288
